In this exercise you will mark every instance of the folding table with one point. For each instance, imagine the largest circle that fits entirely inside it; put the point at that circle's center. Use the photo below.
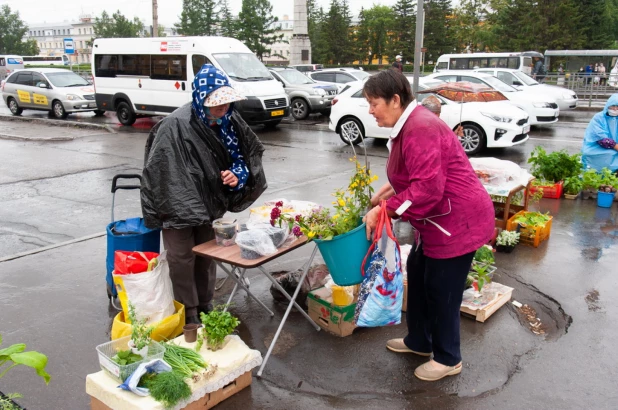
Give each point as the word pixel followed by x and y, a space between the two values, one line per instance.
pixel 230 255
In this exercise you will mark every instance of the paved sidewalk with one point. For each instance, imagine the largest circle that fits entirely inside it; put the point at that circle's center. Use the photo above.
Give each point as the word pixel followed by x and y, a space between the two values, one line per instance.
pixel 32 129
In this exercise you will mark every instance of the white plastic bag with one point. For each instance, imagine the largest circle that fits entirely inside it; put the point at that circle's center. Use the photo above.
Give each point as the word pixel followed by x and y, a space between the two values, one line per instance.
pixel 151 292
pixel 277 234
pixel 254 244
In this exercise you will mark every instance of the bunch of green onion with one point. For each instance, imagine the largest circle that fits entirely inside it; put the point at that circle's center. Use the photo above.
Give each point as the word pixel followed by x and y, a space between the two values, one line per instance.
pixel 183 361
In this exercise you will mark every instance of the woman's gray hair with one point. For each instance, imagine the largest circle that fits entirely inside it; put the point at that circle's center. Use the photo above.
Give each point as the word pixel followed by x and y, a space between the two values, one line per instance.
pixel 433 104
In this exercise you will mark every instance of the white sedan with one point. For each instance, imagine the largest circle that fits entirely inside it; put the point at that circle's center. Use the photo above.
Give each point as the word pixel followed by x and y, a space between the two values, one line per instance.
pixel 486 124
pixel 566 99
pixel 541 109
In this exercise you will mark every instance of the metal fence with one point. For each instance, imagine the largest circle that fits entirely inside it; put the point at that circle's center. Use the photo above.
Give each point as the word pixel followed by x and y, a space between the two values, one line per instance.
pixel 591 89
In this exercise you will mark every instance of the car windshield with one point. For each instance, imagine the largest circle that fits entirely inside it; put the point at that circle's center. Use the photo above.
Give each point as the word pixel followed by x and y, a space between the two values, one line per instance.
pixel 361 75
pixel 526 79
pixel 499 84
pixel 242 66
pixel 66 79
pixel 295 77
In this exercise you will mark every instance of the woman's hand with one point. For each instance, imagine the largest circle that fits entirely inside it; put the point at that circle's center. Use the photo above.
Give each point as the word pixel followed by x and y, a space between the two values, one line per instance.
pixel 229 178
pixel 371 220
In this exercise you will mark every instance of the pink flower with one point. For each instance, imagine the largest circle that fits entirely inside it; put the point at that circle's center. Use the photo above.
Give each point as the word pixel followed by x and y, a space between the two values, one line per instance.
pixel 296 231
pixel 275 213
pixel 279 203
pixel 297 218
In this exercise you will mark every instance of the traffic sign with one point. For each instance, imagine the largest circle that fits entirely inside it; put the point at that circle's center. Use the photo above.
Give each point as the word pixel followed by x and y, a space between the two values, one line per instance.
pixel 69 47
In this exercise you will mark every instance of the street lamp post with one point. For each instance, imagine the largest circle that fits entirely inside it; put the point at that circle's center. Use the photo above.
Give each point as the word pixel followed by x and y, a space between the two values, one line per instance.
pixel 418 44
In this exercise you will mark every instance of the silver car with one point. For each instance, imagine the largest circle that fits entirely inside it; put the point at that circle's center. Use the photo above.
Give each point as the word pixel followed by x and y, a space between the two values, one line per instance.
pixel 56 90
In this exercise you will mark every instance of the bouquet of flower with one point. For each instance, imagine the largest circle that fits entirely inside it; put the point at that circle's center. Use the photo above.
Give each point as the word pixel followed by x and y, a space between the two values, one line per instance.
pixel 348 209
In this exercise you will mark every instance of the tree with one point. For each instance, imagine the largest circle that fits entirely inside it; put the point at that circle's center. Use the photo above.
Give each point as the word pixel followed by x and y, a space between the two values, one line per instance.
pixel 471 26
pixel 117 26
pixel 438 32
pixel 257 26
pixel 315 25
pixel 336 28
pixel 403 31
pixel 598 23
pixel 198 18
pixel 12 31
pixel 227 24
pixel 362 38
pixel 379 20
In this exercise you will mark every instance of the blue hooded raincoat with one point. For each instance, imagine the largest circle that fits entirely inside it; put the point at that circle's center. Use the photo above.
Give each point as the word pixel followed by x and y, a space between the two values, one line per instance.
pixel 601 126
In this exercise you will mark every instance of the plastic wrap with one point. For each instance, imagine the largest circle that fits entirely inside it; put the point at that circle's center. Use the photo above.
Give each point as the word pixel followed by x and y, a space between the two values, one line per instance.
pixel 499 176
pixel 255 243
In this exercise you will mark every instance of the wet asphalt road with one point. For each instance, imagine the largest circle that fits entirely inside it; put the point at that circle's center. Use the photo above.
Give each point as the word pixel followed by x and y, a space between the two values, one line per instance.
pixel 54 192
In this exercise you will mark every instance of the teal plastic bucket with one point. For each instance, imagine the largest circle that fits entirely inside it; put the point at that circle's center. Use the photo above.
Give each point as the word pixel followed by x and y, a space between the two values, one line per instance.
pixel 605 199
pixel 344 255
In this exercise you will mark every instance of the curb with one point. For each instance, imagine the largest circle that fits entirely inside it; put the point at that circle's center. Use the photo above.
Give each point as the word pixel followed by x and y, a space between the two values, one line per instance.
pixel 57 123
pixel 304 126
pixel 39 139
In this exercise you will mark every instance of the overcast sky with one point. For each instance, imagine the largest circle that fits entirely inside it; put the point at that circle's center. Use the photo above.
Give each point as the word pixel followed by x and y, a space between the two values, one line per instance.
pixel 46 11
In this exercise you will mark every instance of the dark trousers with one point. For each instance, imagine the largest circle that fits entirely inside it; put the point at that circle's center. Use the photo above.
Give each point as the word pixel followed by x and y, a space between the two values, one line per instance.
pixel 193 278
pixel 435 290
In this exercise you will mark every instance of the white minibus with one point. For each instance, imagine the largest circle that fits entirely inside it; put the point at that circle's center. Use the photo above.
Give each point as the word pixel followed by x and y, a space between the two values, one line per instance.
pixel 8 64
pixel 516 61
pixel 153 76
pixel 46 60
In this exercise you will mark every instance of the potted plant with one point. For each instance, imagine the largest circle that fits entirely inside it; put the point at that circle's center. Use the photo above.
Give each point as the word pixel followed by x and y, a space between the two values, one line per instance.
pixel 16 355
pixel 140 333
pixel 340 233
pixel 591 182
pixel 478 277
pixel 572 187
pixel 552 169
pixel 506 241
pixel 218 323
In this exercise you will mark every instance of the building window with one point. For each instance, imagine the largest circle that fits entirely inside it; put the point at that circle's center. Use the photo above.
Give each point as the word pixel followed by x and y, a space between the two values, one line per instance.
pixel 304 55
pixel 80 31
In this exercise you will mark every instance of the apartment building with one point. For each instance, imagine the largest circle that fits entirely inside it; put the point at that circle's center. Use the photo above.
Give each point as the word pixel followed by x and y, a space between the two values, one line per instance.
pixel 50 37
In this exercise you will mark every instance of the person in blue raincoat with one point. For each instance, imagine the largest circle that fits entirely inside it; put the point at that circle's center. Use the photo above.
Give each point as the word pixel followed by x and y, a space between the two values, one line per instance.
pixel 600 148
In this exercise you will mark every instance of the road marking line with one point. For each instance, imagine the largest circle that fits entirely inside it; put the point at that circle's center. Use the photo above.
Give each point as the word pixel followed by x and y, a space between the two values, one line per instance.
pixel 49 247
pixel 553 140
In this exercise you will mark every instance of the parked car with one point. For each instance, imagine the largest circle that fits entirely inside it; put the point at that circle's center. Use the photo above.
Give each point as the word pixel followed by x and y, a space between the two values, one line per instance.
pixel 57 90
pixel 566 99
pixel 306 96
pixel 305 68
pixel 486 124
pixel 541 109
pixel 341 77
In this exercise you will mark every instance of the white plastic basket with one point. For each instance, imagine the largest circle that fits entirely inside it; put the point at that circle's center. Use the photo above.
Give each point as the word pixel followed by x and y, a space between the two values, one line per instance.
pixel 108 350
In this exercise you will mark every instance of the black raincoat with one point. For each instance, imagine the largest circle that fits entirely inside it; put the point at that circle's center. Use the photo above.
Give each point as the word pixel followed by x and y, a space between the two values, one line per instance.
pixel 181 181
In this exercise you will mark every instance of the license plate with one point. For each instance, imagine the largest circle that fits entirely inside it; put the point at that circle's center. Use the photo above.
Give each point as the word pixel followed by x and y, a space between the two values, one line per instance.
pixel 277 113
pixel 526 129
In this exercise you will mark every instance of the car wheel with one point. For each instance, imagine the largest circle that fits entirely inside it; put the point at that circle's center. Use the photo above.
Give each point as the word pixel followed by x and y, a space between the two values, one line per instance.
pixel 300 109
pixel 351 131
pixel 58 110
pixel 99 113
pixel 125 114
pixel 473 140
pixel 15 110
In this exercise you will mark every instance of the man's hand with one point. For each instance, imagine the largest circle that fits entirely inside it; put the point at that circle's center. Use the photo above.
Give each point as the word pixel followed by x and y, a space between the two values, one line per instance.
pixel 229 178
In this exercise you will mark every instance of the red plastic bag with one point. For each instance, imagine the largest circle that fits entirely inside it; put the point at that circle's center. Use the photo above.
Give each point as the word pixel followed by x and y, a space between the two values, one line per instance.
pixel 126 262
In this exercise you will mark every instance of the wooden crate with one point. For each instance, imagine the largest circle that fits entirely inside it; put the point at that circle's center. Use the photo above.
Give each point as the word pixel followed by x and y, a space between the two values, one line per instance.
pixel 206 402
pixel 482 314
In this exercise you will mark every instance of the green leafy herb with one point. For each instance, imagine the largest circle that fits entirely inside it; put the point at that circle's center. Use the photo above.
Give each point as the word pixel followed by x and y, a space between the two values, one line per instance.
pixel 168 388
pixel 185 362
pixel 480 274
pixel 573 185
pixel 556 166
pixel 140 332
pixel 16 355
pixel 217 325
pixel 533 219
pixel 126 357
pixel 485 254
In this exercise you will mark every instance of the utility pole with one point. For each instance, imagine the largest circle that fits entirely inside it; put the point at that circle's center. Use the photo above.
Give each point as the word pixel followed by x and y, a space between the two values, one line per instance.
pixel 155 19
pixel 418 44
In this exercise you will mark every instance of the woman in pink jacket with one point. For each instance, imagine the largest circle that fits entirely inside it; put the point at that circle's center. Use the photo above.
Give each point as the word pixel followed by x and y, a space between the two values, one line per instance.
pixel 433 186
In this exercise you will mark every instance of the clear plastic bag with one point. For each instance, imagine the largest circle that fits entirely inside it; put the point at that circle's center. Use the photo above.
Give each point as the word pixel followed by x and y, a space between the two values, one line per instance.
pixel 277 234
pixel 255 243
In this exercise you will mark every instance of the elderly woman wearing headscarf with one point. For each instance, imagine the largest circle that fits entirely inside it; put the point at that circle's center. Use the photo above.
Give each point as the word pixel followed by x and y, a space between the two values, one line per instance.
pixel 201 161
pixel 600 147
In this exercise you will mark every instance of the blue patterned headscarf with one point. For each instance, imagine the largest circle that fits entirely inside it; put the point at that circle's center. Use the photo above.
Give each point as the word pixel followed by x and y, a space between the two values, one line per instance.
pixel 205 82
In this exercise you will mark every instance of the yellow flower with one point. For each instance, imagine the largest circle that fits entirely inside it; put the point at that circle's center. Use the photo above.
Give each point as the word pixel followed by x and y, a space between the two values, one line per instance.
pixel 341 202
pixel 310 234
pixel 346 210
pixel 335 216
pixel 353 185
pixel 374 178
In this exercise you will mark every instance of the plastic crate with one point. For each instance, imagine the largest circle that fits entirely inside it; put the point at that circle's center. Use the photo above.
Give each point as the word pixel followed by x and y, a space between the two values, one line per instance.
pixel 531 236
pixel 108 350
pixel 549 191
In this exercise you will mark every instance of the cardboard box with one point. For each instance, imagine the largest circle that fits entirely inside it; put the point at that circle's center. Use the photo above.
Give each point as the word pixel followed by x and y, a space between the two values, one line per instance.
pixel 338 320
pixel 404 306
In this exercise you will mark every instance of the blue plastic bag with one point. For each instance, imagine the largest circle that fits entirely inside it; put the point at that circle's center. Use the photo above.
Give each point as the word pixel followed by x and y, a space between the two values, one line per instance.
pixel 381 292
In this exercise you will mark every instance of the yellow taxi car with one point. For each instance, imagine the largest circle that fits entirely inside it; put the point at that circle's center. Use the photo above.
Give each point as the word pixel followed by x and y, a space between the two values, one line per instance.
pixel 57 90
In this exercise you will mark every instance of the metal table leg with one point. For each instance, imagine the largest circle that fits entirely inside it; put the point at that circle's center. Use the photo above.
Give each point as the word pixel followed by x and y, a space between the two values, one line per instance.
pixel 240 283
pixel 287 312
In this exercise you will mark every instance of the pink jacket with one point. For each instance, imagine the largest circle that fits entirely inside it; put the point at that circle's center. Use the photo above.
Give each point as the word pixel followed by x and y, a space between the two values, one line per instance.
pixel 427 165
